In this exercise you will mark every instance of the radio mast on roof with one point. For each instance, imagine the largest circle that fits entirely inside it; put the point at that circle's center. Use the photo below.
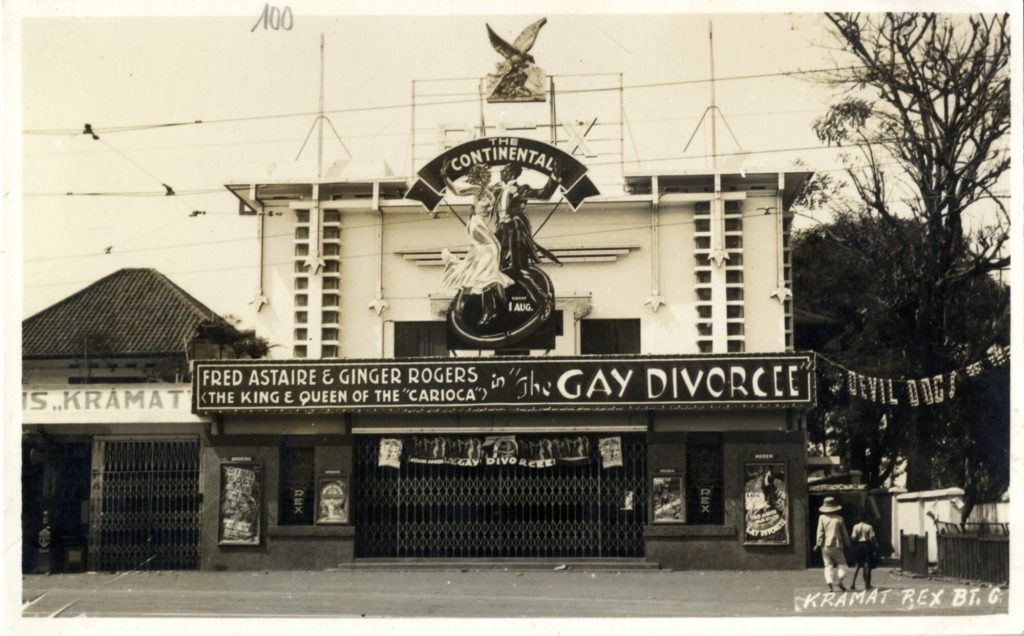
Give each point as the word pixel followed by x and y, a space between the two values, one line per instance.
pixel 318 123
pixel 713 110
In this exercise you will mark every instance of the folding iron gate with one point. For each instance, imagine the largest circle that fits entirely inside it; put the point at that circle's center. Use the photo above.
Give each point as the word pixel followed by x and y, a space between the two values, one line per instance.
pixel 145 504
pixel 421 510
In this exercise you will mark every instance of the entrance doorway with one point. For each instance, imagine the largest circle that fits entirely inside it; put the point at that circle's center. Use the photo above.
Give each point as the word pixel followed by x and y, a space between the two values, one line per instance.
pixel 145 506
pixel 500 510
pixel 55 486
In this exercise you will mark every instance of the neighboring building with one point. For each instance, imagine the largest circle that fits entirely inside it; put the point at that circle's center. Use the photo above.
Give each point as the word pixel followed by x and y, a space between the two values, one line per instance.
pixel 110 445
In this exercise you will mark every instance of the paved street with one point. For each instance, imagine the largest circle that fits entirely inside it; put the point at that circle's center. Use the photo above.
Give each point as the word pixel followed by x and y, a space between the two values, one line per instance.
pixel 488 593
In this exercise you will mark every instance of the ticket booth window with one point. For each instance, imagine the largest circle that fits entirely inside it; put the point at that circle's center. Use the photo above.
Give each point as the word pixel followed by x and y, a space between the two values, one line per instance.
pixel 295 507
pixel 705 498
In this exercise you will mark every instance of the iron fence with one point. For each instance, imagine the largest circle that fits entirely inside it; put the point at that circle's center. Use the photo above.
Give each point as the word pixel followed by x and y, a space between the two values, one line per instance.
pixel 977 551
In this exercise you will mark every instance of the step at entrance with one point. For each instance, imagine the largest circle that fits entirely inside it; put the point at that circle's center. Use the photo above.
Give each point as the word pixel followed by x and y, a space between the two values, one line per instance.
pixel 546 565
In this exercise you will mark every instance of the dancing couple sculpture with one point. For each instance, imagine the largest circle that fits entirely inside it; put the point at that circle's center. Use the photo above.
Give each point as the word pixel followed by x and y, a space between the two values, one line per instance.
pixel 499 259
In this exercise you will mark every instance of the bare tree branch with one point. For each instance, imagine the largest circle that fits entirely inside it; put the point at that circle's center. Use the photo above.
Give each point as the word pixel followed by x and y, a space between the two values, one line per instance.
pixel 930 93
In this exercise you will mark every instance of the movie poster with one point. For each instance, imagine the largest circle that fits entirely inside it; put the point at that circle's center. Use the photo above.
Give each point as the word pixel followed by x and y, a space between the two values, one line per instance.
pixel 611 452
pixel 454 451
pixel 546 451
pixel 241 487
pixel 390 452
pixel 765 503
pixel 667 496
pixel 332 501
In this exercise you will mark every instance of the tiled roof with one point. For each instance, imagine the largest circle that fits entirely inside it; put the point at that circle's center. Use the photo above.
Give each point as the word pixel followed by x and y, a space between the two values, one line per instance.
pixel 132 312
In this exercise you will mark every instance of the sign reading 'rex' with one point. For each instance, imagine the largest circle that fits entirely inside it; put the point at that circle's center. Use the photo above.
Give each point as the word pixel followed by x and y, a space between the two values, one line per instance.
pixel 482 384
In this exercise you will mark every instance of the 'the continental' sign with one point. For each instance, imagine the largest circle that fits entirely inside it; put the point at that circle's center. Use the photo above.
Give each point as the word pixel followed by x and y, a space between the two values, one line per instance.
pixel 493 384
pixel 528 153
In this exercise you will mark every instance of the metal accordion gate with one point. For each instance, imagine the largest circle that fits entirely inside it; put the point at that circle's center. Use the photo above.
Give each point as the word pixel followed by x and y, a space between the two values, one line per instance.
pixel 145 504
pixel 499 510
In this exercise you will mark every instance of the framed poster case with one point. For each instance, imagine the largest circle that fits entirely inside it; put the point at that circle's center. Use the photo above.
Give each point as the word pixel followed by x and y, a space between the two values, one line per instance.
pixel 765 503
pixel 332 497
pixel 241 504
pixel 667 499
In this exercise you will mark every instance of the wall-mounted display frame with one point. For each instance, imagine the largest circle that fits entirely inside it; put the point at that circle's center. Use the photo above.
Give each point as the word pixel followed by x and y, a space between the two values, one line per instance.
pixel 667 500
pixel 332 499
pixel 766 503
pixel 241 504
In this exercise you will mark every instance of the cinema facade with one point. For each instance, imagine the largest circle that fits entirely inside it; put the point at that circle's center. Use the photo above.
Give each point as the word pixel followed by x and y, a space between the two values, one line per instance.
pixel 512 364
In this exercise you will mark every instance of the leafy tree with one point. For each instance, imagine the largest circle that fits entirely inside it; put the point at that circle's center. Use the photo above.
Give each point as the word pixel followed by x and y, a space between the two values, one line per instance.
pixel 854 274
pixel 925 111
pixel 222 333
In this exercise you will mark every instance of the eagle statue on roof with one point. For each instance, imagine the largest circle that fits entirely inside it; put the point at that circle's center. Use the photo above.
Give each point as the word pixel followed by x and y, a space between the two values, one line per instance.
pixel 516 78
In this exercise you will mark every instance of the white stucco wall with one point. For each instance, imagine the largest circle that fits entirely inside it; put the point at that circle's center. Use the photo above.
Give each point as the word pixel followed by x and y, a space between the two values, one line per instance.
pixel 616 289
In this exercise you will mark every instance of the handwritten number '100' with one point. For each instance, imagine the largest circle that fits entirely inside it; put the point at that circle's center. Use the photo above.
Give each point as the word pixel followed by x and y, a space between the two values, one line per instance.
pixel 274 18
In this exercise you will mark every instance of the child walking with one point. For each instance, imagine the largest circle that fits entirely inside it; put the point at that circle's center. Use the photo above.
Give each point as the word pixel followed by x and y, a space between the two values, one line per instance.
pixel 866 548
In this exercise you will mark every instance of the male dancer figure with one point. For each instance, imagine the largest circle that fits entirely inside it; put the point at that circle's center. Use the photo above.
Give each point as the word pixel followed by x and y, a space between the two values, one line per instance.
pixel 515 234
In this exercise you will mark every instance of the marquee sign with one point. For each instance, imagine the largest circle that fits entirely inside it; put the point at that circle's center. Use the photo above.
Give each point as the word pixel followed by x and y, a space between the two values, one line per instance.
pixel 502 384
pixel 502 296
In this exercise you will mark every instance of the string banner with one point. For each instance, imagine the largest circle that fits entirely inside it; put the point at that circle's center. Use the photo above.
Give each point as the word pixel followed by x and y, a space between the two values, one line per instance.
pixel 499 450
pixel 914 392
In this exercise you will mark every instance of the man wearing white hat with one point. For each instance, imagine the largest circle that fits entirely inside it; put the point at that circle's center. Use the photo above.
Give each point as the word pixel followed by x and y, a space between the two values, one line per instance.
pixel 833 539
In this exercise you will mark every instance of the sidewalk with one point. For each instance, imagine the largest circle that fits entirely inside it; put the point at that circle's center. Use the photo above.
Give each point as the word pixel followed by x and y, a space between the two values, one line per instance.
pixel 487 593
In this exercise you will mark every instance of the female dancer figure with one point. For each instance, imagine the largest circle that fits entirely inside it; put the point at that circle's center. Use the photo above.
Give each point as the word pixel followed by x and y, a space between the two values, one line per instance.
pixel 480 271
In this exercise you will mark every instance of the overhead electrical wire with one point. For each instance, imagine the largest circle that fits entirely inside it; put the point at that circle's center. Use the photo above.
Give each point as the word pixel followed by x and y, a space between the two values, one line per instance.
pixel 612 162
pixel 759 212
pixel 151 193
pixel 95 130
pixel 404 133
pixel 168 192
pixel 100 129
pixel 106 250
pixel 420 219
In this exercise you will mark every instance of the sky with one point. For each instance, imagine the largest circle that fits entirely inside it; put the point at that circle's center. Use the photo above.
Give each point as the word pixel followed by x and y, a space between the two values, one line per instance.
pixel 113 71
